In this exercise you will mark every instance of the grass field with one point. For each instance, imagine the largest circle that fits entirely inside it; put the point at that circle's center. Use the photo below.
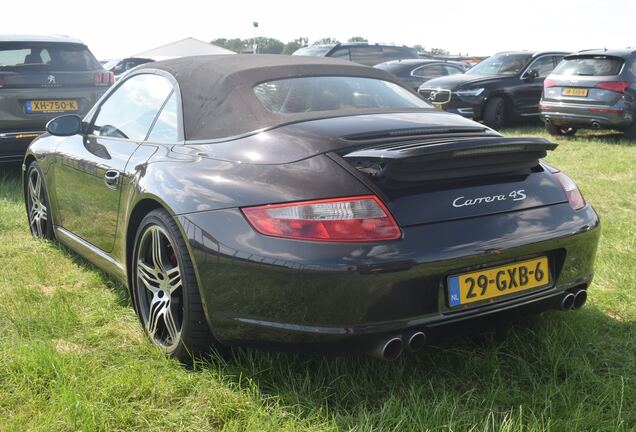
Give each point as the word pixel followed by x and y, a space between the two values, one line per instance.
pixel 73 356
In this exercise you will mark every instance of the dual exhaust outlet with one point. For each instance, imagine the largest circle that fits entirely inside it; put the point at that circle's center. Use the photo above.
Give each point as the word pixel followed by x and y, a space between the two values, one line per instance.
pixel 573 300
pixel 392 348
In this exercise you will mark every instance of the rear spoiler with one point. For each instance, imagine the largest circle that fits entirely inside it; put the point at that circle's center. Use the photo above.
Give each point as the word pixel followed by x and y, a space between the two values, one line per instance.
pixel 450 158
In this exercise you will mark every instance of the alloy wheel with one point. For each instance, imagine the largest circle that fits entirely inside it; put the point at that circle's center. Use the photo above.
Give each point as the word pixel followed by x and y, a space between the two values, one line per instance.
pixel 38 212
pixel 159 288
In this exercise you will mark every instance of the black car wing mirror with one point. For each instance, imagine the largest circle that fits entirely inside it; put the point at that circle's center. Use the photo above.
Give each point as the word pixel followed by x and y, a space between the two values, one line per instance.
pixel 65 125
pixel 531 75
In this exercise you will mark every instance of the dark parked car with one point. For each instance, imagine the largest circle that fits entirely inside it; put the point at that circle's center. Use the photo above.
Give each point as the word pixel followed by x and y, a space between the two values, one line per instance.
pixel 415 72
pixel 41 77
pixel 121 66
pixel 291 201
pixel 359 52
pixel 497 91
pixel 593 90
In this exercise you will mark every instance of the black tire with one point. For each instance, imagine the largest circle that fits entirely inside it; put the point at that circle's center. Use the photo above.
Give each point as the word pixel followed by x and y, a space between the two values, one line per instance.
pixel 560 130
pixel 37 201
pixel 166 300
pixel 495 113
pixel 630 133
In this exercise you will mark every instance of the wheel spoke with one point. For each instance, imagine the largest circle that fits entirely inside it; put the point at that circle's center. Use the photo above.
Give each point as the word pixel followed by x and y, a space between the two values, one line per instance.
pixel 157 256
pixel 148 276
pixel 168 320
pixel 157 311
pixel 38 186
pixel 174 279
pixel 43 213
pixel 38 226
pixel 34 195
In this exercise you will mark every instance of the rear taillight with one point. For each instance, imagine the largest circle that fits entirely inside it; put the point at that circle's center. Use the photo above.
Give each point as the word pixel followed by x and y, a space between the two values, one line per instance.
pixel 617 86
pixel 353 219
pixel 571 191
pixel 104 78
pixel 549 83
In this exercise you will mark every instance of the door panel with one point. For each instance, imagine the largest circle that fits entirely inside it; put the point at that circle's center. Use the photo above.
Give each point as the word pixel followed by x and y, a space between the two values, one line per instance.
pixel 87 205
pixel 528 94
pixel 91 169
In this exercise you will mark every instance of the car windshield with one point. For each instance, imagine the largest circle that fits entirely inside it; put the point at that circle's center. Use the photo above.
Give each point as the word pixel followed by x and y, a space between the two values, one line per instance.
pixel 56 57
pixel 501 64
pixel 327 93
pixel 313 50
pixel 590 66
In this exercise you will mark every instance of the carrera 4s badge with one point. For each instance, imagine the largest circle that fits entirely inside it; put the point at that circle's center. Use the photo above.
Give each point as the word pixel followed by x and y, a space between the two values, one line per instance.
pixel 515 195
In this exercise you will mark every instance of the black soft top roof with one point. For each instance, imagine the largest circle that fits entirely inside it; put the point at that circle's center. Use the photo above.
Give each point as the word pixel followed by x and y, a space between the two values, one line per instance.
pixel 219 100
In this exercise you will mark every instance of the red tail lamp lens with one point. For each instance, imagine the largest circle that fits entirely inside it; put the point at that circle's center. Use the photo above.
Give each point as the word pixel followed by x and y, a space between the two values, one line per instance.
pixel 352 219
pixel 571 191
pixel 617 86
pixel 549 83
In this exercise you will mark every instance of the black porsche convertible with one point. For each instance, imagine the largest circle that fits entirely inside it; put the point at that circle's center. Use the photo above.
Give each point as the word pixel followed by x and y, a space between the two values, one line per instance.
pixel 306 203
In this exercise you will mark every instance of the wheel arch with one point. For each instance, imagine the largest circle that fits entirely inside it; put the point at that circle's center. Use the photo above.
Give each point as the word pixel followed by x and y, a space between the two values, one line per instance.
pixel 141 208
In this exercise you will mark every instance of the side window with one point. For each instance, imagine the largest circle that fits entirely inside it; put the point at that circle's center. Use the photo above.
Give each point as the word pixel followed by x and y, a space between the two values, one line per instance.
pixel 167 124
pixel 367 55
pixel 632 69
pixel 342 53
pixel 132 107
pixel 452 70
pixel 430 71
pixel 543 66
pixel 395 53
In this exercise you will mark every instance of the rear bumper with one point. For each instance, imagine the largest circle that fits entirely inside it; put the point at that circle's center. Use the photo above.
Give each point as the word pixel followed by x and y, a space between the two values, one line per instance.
pixel 13 145
pixel 274 292
pixel 586 116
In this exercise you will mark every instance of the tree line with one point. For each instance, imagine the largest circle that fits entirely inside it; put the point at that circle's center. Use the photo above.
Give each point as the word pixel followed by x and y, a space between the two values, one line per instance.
pixel 267 45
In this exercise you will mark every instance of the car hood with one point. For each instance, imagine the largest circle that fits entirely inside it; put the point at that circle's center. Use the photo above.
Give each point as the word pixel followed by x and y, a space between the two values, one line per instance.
pixel 455 82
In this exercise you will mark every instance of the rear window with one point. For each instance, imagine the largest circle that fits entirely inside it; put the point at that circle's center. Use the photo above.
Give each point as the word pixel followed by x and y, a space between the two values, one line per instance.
pixel 313 50
pixel 310 94
pixel 58 57
pixel 590 66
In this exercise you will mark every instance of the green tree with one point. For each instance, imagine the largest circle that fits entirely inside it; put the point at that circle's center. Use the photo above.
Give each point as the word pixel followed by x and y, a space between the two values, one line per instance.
pixel 267 45
pixel 327 41
pixel 419 48
pixel 235 44
pixel 292 46
pixel 439 51
pixel 357 39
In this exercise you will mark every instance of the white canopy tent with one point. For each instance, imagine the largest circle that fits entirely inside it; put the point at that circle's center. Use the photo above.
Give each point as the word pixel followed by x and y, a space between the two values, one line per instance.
pixel 182 48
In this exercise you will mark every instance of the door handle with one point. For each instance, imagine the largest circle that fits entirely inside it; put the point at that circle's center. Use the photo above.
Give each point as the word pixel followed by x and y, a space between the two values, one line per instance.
pixel 111 178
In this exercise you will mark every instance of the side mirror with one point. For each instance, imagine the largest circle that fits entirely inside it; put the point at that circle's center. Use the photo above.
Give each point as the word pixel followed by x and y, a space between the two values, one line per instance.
pixel 531 75
pixel 65 125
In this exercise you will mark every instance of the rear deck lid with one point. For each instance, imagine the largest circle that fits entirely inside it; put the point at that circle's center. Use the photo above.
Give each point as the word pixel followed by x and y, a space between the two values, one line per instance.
pixel 455 178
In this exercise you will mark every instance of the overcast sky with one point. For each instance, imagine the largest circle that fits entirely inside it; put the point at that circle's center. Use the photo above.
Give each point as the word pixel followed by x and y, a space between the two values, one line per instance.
pixel 117 28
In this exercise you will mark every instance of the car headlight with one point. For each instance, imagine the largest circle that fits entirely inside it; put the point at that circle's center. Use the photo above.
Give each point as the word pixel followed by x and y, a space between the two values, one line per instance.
pixel 470 92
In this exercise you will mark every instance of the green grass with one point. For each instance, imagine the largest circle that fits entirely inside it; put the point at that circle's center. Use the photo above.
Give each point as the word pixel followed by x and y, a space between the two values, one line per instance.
pixel 73 357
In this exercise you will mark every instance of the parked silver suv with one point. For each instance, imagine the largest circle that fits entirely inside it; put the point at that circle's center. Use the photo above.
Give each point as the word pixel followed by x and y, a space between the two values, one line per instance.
pixel 41 77
pixel 591 89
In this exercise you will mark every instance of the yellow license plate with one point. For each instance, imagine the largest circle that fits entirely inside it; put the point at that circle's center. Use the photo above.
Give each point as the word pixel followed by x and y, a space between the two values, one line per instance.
pixel 498 281
pixel 51 105
pixel 575 92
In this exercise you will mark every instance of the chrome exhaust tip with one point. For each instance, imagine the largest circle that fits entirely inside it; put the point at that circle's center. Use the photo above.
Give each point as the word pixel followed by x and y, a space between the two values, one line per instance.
pixel 389 349
pixel 596 125
pixel 567 301
pixel 580 297
pixel 416 341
